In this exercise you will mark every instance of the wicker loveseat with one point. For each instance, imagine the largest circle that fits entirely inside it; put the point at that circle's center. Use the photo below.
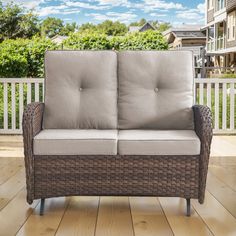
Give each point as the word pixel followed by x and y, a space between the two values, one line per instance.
pixel 119 124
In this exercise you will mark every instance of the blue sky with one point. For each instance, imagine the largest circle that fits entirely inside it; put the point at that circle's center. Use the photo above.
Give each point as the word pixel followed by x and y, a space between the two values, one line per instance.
pixel 95 11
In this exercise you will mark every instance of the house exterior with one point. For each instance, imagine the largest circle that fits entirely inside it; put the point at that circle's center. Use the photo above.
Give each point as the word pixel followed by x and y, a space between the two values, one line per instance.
pixel 145 27
pixel 221 32
pixel 187 37
pixel 58 39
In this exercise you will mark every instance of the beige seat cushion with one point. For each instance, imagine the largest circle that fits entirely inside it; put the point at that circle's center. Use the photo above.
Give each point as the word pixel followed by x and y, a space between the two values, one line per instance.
pixel 155 90
pixel 163 142
pixel 81 90
pixel 75 142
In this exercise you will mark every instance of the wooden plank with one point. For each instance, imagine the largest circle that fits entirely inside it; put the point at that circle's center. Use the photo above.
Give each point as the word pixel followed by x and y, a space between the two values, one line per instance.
pixel 201 94
pixel 224 194
pixel 181 225
pixel 11 187
pixel 114 217
pixel 224 107
pixel 21 104
pixel 80 217
pixel 224 175
pixel 232 95
pixel 13 106
pixel 49 222
pixel 9 170
pixel 5 106
pixel 217 218
pixel 148 217
pixel 29 93
pixel 216 106
pixel 13 216
pixel 36 92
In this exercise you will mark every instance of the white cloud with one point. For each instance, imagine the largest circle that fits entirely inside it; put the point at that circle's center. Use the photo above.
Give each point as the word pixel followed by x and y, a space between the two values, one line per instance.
pixel 113 2
pixel 196 14
pixel 188 15
pixel 61 9
pixel 150 5
pixel 124 17
pixel 201 7
pixel 86 5
pixel 154 14
pixel 29 4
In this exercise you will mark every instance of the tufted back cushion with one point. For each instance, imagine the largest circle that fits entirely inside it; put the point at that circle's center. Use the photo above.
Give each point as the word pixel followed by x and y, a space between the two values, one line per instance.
pixel 155 90
pixel 81 90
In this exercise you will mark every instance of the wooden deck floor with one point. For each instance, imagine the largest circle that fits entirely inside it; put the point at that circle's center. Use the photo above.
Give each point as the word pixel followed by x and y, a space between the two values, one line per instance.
pixel 123 216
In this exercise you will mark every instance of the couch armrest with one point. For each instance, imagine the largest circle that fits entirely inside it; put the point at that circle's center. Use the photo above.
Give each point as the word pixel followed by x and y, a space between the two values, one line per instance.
pixel 203 128
pixel 32 124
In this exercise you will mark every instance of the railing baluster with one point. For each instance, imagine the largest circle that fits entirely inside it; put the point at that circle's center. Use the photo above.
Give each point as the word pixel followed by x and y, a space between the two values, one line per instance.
pixel 21 103
pixel 201 94
pixel 5 106
pixel 43 91
pixel 209 95
pixel 224 107
pixel 13 106
pixel 232 106
pixel 222 98
pixel 217 106
pixel 28 93
pixel 36 92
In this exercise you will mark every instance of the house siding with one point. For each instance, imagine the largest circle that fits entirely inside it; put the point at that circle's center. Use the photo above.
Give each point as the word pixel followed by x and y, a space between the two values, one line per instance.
pixel 231 44
pixel 230 5
pixel 210 16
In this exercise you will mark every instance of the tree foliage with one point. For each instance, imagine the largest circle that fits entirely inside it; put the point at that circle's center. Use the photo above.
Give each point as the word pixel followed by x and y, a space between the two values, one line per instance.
pixel 139 23
pixel 111 28
pixel 163 26
pixel 16 24
pixel 160 26
pixel 51 26
pixel 107 27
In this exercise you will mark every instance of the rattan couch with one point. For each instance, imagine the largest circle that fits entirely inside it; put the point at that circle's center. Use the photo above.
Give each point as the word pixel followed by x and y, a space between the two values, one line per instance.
pixel 121 124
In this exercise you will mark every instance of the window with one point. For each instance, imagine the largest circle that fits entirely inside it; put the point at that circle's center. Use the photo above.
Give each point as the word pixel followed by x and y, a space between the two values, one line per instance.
pixel 231 24
pixel 210 4
pixel 220 4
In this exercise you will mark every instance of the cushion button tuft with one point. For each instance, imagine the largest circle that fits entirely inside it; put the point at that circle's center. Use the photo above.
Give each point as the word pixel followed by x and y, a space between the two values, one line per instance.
pixel 80 89
pixel 156 90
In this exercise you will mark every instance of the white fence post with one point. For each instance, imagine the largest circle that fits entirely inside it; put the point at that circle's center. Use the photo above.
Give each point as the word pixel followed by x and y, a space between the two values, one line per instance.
pixel 224 96
pixel 13 107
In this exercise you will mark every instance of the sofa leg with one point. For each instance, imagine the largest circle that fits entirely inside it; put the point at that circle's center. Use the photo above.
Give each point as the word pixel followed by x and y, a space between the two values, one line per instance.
pixel 188 207
pixel 42 206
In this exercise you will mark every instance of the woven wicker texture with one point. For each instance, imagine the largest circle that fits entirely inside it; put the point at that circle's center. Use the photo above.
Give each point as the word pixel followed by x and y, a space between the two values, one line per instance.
pixel 53 176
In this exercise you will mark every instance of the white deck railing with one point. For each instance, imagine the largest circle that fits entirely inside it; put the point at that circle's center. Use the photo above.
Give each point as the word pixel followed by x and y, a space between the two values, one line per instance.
pixel 15 94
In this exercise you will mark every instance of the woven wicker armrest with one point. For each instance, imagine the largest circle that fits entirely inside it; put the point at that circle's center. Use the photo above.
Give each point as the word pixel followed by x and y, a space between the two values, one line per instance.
pixel 32 124
pixel 203 128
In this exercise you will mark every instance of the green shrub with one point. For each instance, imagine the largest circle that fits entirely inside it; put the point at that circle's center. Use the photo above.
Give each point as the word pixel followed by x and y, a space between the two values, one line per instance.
pixel 13 58
pixel 87 41
pixel 148 40
pixel 232 76
pixel 36 50
pixel 23 57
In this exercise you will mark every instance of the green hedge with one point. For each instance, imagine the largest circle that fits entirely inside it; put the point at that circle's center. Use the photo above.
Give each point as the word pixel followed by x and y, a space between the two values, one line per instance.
pixel 23 57
pixel 149 40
